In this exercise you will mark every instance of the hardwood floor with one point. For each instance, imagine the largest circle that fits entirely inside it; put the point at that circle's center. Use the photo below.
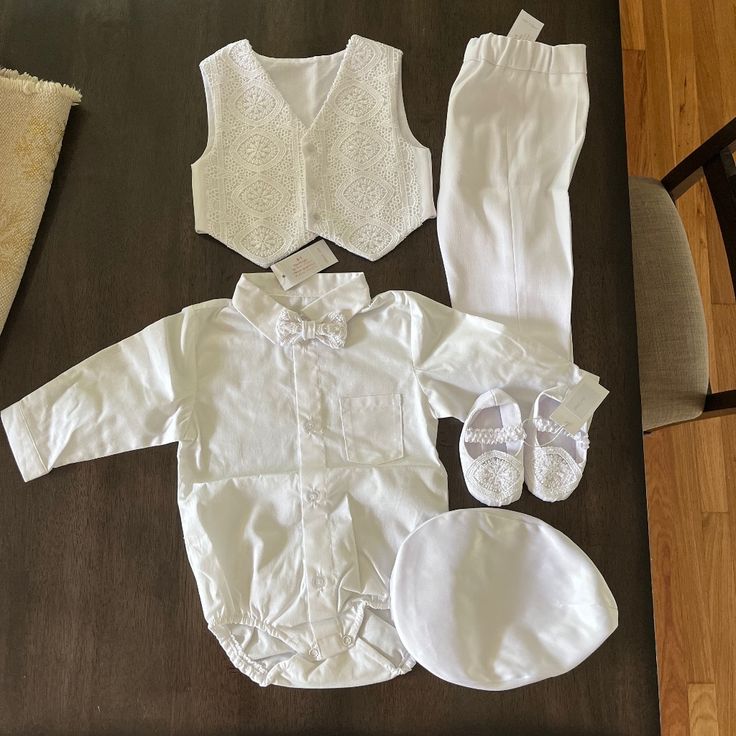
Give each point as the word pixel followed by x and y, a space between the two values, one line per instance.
pixel 680 87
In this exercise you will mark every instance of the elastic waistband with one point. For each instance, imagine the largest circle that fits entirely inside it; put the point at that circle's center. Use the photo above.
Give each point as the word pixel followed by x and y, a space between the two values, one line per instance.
pixel 527 55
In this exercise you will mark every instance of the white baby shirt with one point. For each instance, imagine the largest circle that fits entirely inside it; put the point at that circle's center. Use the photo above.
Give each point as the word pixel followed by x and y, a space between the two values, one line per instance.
pixel 303 462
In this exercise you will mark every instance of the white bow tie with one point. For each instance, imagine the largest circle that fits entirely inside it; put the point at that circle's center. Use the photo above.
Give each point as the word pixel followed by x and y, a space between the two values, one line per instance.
pixel 292 327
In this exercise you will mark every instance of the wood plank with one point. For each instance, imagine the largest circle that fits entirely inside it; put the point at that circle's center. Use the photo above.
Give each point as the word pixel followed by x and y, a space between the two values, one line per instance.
pixel 723 370
pixel 704 443
pixel 632 25
pixel 714 32
pixel 703 712
pixel 659 453
pixel 635 100
pixel 728 444
pixel 680 45
pixel 706 32
pixel 659 101
pixel 718 558
pixel 687 474
pixel 722 562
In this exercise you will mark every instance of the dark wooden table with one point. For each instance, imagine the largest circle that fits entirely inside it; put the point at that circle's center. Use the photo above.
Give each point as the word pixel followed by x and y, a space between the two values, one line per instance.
pixel 101 630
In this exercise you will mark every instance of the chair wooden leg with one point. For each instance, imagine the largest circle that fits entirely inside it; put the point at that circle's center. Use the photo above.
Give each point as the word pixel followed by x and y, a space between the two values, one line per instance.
pixel 720 173
pixel 718 405
pixel 687 171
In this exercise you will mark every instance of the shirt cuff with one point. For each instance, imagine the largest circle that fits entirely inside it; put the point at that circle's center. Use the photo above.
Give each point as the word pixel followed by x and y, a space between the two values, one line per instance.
pixel 21 443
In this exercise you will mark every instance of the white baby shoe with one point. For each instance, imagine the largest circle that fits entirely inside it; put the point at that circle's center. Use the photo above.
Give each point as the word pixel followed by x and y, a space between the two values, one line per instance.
pixel 554 459
pixel 491 448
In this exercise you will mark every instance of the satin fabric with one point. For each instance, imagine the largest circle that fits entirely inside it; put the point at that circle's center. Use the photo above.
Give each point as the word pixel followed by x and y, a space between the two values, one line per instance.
pixel 493 599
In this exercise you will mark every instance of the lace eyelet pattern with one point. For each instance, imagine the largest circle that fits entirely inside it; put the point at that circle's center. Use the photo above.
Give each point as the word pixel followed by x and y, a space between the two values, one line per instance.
pixel 495 478
pixel 270 184
pixel 556 474
pixel 555 469
pixel 489 436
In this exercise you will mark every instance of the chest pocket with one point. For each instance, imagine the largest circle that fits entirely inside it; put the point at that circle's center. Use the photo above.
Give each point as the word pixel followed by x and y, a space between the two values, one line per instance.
pixel 372 427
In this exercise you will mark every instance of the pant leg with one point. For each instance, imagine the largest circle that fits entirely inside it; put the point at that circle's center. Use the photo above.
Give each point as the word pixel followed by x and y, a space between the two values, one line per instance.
pixel 515 125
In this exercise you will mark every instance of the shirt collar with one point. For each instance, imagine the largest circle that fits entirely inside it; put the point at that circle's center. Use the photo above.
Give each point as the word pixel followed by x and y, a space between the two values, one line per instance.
pixel 260 298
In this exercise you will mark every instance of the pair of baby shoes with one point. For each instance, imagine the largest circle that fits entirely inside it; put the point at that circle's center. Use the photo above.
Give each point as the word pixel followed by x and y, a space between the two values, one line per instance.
pixel 499 451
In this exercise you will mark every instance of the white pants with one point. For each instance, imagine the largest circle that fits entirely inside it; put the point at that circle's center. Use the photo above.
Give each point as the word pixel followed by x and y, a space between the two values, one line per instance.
pixel 515 126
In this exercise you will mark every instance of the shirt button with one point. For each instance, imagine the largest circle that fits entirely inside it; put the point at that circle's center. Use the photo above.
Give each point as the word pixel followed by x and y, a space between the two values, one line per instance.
pixel 316 217
pixel 347 640
pixel 314 653
pixel 314 497
pixel 319 582
pixel 308 148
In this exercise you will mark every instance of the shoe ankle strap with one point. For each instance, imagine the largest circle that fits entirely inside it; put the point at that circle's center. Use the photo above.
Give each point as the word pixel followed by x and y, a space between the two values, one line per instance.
pixel 543 424
pixel 490 436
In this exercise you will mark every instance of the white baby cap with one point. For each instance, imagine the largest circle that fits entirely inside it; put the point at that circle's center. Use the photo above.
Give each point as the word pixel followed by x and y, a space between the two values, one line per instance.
pixel 493 599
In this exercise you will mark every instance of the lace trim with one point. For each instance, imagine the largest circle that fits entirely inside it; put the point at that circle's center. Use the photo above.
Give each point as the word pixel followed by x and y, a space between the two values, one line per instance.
pixel 489 436
pixel 495 478
pixel 556 473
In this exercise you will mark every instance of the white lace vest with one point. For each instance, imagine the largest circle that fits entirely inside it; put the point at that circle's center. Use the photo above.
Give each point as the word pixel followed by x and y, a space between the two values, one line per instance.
pixel 267 183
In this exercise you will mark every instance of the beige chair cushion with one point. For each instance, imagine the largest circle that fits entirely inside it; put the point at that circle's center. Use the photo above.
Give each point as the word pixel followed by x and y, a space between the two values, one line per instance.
pixel 673 343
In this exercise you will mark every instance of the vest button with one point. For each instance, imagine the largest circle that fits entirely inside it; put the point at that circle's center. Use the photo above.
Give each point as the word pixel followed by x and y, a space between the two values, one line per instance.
pixel 312 426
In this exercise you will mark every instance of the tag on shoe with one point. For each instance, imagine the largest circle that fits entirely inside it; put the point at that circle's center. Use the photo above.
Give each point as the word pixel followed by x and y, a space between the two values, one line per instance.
pixel 526 27
pixel 579 404
pixel 299 266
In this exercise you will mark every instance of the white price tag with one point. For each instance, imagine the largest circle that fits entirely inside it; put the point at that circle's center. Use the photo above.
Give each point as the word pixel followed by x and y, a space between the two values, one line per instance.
pixel 579 404
pixel 299 266
pixel 526 27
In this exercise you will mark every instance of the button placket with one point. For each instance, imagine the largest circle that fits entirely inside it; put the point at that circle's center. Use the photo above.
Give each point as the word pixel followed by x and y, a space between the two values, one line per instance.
pixel 317 534
pixel 312 185
pixel 312 426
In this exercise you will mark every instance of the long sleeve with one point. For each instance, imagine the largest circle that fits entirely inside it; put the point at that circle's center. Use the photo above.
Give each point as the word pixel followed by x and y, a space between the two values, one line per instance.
pixel 458 356
pixel 136 393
